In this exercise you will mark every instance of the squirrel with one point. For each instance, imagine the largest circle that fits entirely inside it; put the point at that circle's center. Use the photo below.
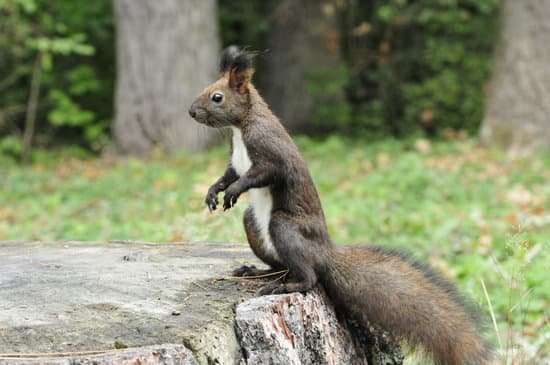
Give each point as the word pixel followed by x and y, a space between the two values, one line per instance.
pixel 286 229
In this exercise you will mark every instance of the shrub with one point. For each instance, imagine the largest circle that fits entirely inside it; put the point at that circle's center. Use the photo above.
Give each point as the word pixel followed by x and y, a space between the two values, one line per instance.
pixel 418 64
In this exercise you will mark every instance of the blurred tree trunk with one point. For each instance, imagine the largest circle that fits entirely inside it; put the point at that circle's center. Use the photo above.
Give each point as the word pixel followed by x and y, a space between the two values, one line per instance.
pixel 303 36
pixel 32 104
pixel 517 115
pixel 167 52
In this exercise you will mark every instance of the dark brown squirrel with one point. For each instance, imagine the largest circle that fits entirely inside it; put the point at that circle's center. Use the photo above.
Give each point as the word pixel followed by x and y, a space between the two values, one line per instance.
pixel 285 227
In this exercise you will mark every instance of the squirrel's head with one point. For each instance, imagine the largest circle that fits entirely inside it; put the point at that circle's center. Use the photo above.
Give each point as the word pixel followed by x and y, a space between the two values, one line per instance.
pixel 226 102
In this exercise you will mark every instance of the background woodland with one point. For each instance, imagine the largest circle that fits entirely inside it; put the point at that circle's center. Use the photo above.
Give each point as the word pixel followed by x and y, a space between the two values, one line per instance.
pixel 425 123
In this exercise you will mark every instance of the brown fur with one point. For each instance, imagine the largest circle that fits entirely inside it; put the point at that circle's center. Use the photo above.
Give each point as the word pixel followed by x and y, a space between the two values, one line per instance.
pixel 393 292
pixel 255 241
pixel 375 286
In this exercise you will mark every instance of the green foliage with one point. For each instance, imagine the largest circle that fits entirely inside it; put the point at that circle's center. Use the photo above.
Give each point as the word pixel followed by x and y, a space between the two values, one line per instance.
pixel 410 65
pixel 419 64
pixel 467 211
pixel 242 23
pixel 11 145
pixel 327 87
pixel 75 44
pixel 67 112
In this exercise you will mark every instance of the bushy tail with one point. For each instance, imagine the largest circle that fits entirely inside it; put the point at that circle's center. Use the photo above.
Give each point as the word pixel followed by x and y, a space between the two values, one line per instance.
pixel 387 289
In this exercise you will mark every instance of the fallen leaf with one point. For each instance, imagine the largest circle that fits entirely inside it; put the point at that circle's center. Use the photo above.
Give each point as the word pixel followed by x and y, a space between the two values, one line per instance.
pixel 366 166
pixel 92 173
pixel 400 20
pixel 511 218
pixel 423 146
pixel 62 172
pixel 383 159
pixel 158 184
pixel 200 189
pixel 485 244
pixel 454 134
pixel 176 237
pixel 361 29
pixel 538 210
pixel 427 116
pixel 486 240
pixel 519 195
pixel 441 265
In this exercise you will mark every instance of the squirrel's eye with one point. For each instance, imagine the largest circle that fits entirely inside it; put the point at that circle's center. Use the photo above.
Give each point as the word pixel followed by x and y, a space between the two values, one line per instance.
pixel 217 97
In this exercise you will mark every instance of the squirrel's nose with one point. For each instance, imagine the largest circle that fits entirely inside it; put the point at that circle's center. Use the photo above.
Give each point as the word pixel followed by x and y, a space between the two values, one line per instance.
pixel 192 112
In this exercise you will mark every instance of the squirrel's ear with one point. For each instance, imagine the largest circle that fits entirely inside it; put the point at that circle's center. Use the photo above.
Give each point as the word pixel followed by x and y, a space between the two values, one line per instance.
pixel 241 71
pixel 239 79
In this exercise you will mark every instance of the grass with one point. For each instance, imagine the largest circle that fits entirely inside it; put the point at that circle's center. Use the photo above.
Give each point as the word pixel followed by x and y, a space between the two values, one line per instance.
pixel 470 212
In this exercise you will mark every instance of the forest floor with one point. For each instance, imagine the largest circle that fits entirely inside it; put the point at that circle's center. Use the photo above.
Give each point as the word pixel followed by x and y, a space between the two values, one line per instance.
pixel 477 216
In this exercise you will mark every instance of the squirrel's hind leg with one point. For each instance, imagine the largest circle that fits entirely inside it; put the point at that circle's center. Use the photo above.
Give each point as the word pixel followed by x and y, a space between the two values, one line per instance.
pixel 254 238
pixel 294 253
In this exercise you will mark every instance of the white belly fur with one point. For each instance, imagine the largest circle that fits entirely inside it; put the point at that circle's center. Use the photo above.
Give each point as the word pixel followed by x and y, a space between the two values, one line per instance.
pixel 260 199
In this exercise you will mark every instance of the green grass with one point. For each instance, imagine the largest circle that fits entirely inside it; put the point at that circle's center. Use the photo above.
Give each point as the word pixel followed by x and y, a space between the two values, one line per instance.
pixel 470 212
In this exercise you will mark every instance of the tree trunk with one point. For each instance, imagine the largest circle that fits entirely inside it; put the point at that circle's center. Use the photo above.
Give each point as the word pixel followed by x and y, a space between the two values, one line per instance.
pixel 167 52
pixel 303 38
pixel 517 115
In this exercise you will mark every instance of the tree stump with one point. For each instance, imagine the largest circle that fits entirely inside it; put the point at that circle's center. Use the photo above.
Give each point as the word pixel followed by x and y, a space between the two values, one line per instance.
pixel 134 302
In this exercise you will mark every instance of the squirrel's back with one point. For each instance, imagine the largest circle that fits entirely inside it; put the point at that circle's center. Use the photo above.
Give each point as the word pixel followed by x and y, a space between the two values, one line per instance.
pixel 389 290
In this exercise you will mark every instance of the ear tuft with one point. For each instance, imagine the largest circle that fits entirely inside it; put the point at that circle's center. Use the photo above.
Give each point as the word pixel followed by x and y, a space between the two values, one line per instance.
pixel 228 56
pixel 243 61
pixel 234 58
pixel 238 64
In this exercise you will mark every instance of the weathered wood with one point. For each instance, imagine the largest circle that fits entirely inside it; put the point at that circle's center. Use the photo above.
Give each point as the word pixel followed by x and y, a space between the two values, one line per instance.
pixel 97 296
pixel 298 329
pixel 92 298
pixel 151 355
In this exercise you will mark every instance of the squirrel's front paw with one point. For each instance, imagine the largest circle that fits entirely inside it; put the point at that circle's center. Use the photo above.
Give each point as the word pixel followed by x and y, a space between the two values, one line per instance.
pixel 231 196
pixel 211 200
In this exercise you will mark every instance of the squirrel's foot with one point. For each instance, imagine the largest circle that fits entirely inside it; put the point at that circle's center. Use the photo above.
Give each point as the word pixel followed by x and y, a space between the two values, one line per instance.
pixel 245 270
pixel 273 289
pixel 251 271
pixel 277 288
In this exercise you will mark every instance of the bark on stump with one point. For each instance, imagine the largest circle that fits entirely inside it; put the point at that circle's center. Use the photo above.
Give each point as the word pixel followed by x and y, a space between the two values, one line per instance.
pixel 299 329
